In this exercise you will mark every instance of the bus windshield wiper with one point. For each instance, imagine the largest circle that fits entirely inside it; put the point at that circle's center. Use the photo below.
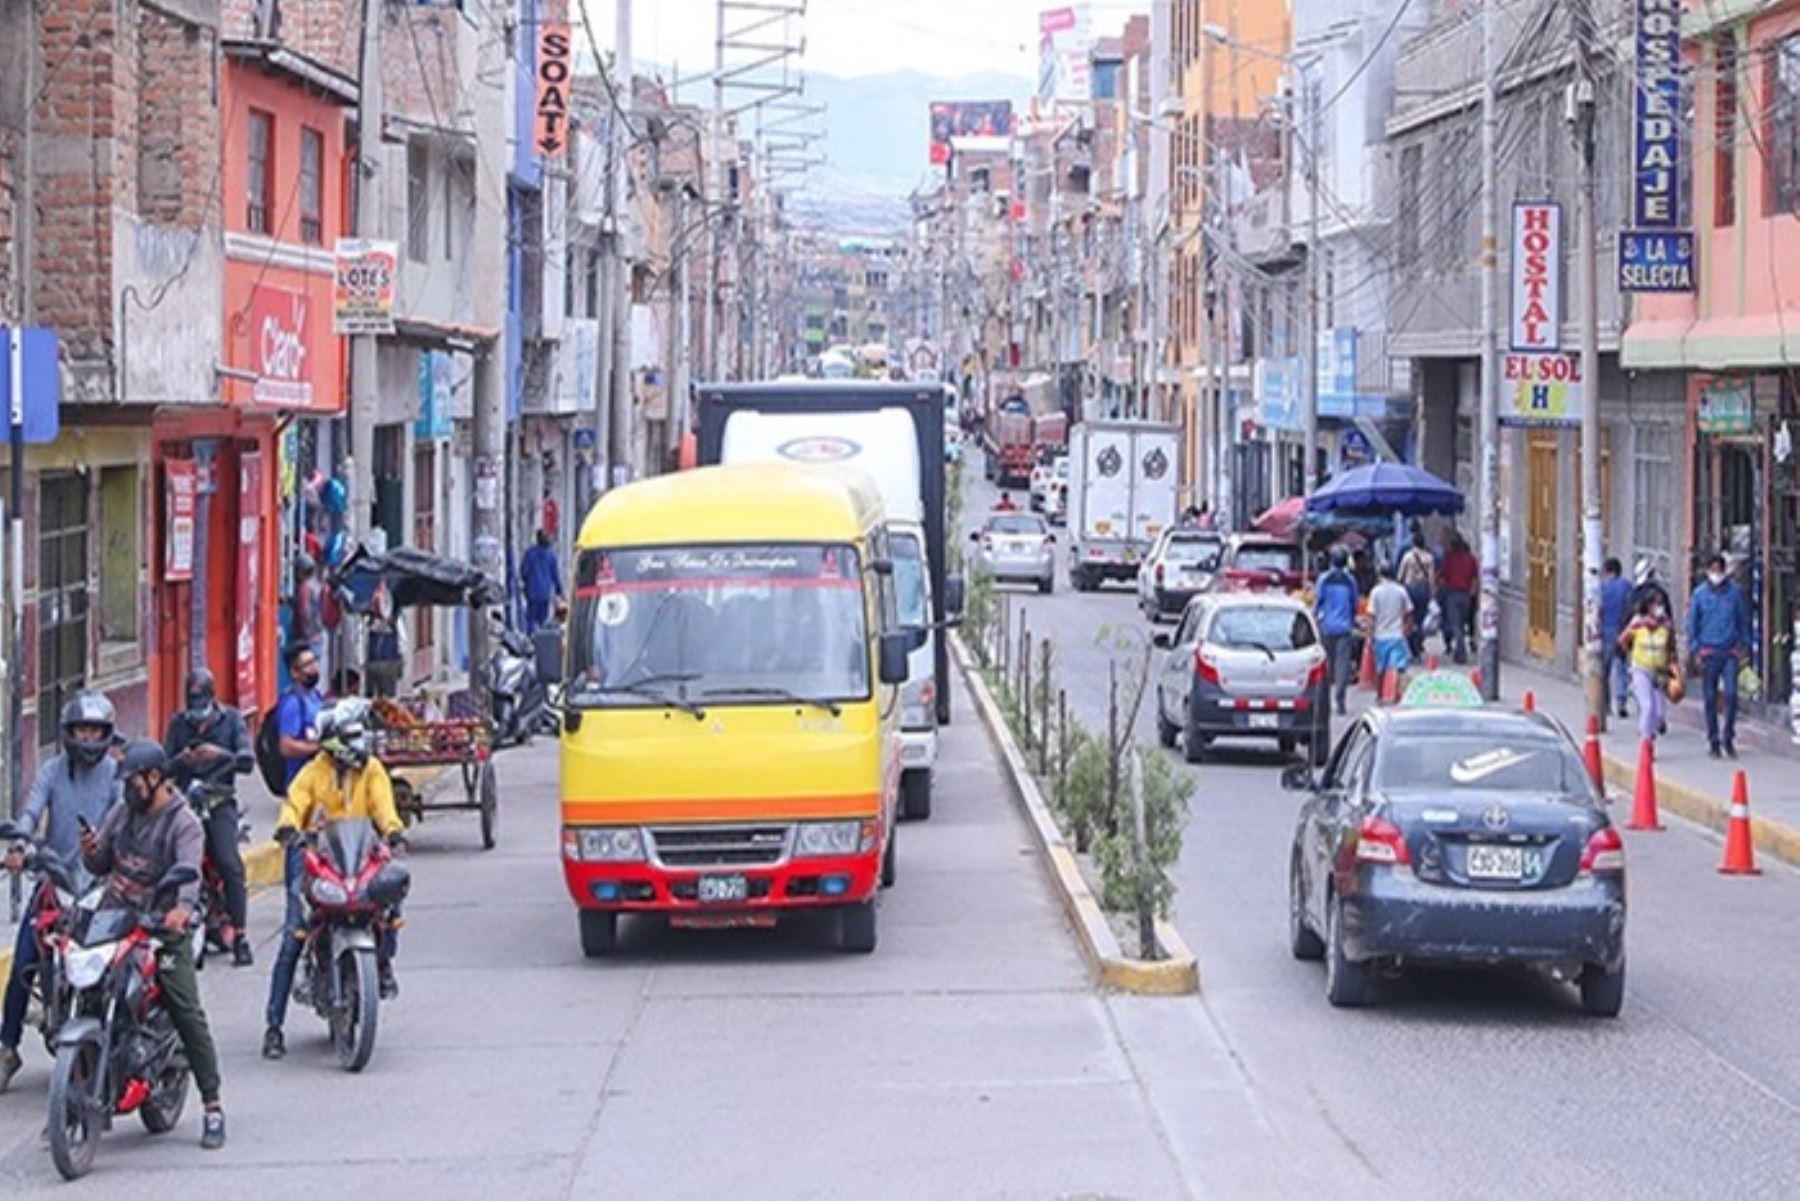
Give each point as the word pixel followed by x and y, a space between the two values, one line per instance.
pixel 786 694
pixel 645 688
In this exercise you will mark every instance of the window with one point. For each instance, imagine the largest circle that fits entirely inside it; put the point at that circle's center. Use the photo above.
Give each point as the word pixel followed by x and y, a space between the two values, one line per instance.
pixel 121 559
pixel 1654 483
pixel 418 201
pixel 593 284
pixel 1412 160
pixel 1784 126
pixel 452 169
pixel 259 180
pixel 312 187
pixel 1725 107
pixel 62 597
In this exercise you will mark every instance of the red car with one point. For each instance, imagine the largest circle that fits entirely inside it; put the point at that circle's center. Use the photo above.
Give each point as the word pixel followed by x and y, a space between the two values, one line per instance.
pixel 1260 563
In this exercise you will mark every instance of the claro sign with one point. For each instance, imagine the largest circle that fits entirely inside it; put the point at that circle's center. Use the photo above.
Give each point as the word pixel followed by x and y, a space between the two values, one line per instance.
pixel 281 348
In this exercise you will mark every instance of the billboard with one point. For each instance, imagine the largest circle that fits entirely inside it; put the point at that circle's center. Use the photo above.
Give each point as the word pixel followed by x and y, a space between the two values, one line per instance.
pixel 366 271
pixel 1065 39
pixel 1540 389
pixel 1656 121
pixel 952 120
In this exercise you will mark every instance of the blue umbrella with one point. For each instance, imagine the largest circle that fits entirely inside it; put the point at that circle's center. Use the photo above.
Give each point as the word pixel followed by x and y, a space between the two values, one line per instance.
pixel 1383 489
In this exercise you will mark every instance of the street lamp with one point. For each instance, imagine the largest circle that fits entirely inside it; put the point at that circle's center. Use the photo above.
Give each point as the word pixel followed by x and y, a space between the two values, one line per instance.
pixel 1302 63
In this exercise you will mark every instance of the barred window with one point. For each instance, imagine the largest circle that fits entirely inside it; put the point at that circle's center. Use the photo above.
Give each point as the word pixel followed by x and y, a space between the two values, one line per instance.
pixel 1784 126
pixel 1656 495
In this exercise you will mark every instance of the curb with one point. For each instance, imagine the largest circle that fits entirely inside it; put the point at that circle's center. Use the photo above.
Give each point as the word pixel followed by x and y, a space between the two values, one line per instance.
pixel 1179 974
pixel 1775 838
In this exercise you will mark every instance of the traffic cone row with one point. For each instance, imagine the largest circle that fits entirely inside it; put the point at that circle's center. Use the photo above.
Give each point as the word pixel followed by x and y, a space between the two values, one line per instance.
pixel 1643 802
pixel 1475 678
pixel 1365 676
pixel 1390 686
pixel 1431 663
pixel 1590 754
pixel 1740 847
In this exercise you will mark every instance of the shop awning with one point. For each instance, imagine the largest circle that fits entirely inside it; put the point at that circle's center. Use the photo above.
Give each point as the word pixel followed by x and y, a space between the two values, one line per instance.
pixel 1712 343
pixel 444 335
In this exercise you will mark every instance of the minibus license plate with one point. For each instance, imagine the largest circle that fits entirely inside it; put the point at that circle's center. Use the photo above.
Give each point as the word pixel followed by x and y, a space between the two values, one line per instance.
pixel 717 890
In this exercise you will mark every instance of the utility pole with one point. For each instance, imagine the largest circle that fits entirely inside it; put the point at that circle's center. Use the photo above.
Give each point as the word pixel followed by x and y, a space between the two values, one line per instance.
pixel 1582 94
pixel 1308 105
pixel 1488 484
pixel 365 388
pixel 710 319
pixel 675 381
pixel 618 441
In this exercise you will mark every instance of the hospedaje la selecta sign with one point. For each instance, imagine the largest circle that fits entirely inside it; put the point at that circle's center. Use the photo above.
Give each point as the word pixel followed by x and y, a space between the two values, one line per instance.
pixel 1658 255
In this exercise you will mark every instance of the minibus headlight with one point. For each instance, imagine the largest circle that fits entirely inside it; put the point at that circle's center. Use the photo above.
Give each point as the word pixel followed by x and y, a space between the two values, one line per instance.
pixel 820 839
pixel 604 844
pixel 916 700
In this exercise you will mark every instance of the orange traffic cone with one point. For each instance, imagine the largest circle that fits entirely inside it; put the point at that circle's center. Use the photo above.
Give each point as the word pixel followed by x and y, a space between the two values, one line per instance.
pixel 1643 803
pixel 1740 849
pixel 1431 663
pixel 1475 678
pixel 1590 753
pixel 1529 704
pixel 1365 676
pixel 1390 686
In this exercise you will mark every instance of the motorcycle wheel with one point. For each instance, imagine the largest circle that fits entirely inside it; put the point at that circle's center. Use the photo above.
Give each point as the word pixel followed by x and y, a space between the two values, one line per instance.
pixel 75 1120
pixel 161 1110
pixel 353 1022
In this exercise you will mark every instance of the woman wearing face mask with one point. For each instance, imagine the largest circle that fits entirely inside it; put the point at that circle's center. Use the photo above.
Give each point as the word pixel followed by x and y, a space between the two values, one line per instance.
pixel 1649 645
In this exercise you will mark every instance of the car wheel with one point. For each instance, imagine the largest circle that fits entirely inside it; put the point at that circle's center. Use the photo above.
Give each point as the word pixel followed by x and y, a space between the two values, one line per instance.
pixel 1602 992
pixel 1166 731
pixel 915 795
pixel 1193 744
pixel 1286 743
pixel 1346 983
pixel 1301 940
pixel 1047 585
pixel 857 932
pixel 889 863
pixel 599 932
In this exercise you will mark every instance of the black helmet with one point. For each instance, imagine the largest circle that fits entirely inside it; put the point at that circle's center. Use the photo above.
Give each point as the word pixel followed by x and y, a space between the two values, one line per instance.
pixel 142 755
pixel 88 709
pixel 202 693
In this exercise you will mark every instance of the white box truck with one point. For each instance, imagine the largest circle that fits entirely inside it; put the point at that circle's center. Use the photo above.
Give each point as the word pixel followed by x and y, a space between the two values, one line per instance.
pixel 1124 482
pixel 882 445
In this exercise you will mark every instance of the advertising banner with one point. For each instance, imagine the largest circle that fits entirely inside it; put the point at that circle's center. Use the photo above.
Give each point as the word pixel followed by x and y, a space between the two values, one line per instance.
pixel 550 132
pixel 1064 41
pixel 1727 407
pixel 281 348
pixel 249 565
pixel 1537 312
pixel 1656 260
pixel 1656 118
pixel 1336 351
pixel 362 295
pixel 1540 389
pixel 1277 385
pixel 953 120
pixel 183 503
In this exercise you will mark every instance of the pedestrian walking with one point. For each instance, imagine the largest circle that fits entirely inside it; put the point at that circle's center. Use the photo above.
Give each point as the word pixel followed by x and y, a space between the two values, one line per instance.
pixel 1390 618
pixel 1456 587
pixel 308 606
pixel 385 652
pixel 1335 607
pixel 1719 633
pixel 1649 643
pixel 541 576
pixel 1418 575
pixel 1615 608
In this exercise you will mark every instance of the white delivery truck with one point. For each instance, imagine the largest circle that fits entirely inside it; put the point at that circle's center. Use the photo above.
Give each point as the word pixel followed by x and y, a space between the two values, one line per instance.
pixel 882 444
pixel 1124 481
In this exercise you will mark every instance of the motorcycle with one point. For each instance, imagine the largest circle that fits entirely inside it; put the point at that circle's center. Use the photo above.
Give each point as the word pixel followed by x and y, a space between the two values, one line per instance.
pixel 522 702
pixel 61 888
pixel 352 886
pixel 118 1051
pixel 212 914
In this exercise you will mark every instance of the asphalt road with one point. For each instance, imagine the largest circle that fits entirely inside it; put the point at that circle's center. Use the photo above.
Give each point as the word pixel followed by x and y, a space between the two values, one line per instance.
pixel 967 1057
pixel 1471 1084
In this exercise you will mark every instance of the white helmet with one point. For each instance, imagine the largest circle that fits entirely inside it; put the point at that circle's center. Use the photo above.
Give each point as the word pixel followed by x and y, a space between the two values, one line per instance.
pixel 1644 570
pixel 344 732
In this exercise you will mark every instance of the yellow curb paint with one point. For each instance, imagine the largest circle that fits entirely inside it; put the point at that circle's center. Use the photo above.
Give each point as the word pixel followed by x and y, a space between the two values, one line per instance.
pixel 1775 838
pixel 1179 974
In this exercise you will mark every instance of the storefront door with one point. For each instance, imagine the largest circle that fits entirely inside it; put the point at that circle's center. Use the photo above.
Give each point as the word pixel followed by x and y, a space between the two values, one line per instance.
pixel 1540 543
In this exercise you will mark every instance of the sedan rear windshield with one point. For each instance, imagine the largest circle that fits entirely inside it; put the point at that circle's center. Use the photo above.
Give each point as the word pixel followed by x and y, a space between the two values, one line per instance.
pixel 1015 525
pixel 1498 762
pixel 1259 628
pixel 1202 552
pixel 1268 558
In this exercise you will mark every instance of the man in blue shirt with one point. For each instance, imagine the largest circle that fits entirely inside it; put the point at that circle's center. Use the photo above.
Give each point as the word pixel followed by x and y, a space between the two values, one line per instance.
pixel 297 722
pixel 1615 609
pixel 1719 633
pixel 1335 607
pixel 542 580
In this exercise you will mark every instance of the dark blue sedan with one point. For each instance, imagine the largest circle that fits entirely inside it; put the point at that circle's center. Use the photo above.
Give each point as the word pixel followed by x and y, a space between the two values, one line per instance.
pixel 1460 836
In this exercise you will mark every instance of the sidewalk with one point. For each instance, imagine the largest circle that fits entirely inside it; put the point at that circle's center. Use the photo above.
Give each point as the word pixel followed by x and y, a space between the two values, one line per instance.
pixel 1689 784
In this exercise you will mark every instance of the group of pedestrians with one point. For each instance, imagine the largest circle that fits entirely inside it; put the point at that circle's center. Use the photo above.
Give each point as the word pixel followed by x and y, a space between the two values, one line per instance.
pixel 1643 655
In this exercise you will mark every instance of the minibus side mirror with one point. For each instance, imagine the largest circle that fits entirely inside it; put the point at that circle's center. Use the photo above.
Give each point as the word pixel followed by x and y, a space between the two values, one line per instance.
pixel 894 648
pixel 954 589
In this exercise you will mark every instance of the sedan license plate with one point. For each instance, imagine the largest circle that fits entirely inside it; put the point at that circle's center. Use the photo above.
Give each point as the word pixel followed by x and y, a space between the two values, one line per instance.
pixel 722 890
pixel 1265 721
pixel 1496 863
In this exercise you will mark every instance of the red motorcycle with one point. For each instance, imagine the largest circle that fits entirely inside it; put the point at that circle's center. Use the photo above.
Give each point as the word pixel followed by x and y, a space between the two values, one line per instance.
pixel 59 889
pixel 214 916
pixel 352 888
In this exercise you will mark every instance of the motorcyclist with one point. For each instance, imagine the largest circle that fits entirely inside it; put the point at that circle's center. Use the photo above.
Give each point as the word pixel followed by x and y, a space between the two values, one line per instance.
pixel 79 784
pixel 209 745
pixel 343 780
pixel 137 844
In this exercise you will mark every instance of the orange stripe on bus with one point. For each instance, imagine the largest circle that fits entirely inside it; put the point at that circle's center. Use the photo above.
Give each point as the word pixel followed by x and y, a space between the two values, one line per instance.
pixel 703 809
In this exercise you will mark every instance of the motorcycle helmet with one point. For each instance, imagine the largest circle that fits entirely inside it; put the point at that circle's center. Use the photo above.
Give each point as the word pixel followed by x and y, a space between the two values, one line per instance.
pixel 344 733
pixel 202 695
pixel 1643 571
pixel 143 755
pixel 88 709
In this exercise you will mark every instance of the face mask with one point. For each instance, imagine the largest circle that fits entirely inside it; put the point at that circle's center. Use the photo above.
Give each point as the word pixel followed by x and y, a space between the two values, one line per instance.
pixel 1656 611
pixel 309 679
pixel 201 712
pixel 1717 577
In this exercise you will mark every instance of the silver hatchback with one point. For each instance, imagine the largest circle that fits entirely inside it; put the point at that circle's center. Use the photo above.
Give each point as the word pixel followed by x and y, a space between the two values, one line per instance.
pixel 1017 547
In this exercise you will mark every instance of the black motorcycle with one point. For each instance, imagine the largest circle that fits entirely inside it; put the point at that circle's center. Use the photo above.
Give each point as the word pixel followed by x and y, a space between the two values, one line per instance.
pixel 352 888
pixel 118 1051
pixel 520 696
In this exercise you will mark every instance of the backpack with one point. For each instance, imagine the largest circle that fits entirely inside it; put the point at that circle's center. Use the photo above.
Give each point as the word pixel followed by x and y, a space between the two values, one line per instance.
pixel 269 763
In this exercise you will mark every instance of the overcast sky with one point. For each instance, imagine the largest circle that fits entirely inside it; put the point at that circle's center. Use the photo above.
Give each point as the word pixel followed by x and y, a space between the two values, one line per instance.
pixel 866 37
